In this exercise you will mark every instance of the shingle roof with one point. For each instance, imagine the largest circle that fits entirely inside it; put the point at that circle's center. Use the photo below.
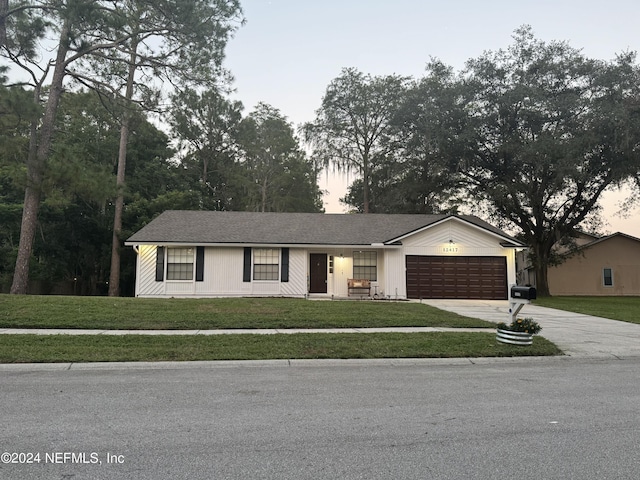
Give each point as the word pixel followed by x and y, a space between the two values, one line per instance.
pixel 204 227
pixel 608 237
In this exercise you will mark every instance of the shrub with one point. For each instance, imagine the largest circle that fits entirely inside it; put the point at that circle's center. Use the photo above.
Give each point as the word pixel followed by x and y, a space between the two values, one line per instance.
pixel 526 325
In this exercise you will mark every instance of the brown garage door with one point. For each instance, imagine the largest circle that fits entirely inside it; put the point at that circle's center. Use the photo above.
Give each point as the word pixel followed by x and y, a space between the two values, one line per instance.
pixel 456 277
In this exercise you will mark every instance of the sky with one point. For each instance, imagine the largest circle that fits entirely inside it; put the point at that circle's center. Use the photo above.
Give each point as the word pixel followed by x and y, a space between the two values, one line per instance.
pixel 289 51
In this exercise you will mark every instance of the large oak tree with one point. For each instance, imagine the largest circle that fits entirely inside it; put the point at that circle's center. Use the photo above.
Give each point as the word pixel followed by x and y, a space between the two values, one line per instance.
pixel 548 131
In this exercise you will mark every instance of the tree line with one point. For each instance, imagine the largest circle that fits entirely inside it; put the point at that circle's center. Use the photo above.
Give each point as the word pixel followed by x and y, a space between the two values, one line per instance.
pixel 251 162
pixel 83 163
pixel 529 137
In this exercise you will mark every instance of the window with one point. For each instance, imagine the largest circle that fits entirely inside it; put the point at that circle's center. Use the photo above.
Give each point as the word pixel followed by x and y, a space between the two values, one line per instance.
pixel 365 265
pixel 265 263
pixel 180 264
pixel 607 277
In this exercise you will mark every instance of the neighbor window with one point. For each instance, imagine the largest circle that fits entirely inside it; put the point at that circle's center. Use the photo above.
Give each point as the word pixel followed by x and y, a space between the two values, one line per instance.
pixel 365 265
pixel 265 263
pixel 607 277
pixel 180 264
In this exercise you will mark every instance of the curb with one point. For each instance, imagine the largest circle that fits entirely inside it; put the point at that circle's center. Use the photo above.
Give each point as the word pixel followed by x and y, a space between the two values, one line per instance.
pixel 299 363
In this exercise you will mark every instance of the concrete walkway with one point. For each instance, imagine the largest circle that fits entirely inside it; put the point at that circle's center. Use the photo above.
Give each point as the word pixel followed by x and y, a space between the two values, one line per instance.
pixel 231 331
pixel 574 333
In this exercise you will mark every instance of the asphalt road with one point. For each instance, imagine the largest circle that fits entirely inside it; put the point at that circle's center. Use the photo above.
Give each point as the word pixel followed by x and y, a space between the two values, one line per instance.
pixel 558 418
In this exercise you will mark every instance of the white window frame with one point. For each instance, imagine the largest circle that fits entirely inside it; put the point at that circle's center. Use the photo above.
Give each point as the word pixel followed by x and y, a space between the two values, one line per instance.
pixel 605 277
pixel 366 264
pixel 268 261
pixel 176 258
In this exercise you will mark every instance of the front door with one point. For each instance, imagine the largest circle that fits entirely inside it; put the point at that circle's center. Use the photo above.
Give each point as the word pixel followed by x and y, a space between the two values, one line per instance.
pixel 318 273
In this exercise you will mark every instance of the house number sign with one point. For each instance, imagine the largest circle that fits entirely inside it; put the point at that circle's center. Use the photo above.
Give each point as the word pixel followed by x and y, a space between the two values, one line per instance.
pixel 450 249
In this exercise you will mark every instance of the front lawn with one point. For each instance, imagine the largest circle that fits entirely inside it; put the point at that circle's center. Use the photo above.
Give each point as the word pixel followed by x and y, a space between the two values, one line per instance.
pixel 246 313
pixel 131 348
pixel 626 309
pixel 30 311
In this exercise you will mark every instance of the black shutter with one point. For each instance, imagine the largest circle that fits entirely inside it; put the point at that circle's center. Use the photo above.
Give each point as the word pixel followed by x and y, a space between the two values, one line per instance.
pixel 199 264
pixel 159 264
pixel 246 271
pixel 284 271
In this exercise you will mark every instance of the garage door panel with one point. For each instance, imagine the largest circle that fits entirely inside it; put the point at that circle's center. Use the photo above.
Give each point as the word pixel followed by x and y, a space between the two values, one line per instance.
pixel 456 277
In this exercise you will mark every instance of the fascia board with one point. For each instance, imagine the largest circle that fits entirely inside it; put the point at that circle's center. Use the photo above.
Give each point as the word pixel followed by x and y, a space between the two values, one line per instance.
pixel 271 245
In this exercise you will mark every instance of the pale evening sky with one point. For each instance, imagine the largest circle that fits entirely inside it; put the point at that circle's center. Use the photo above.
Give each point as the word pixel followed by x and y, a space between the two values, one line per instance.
pixel 290 50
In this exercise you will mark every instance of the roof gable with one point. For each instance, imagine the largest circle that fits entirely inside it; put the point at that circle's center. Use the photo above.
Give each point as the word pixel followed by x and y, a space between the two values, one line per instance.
pixel 609 237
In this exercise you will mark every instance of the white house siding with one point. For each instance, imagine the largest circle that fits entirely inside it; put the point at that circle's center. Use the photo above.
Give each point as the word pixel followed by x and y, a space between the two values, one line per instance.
pixel 222 272
pixel 468 241
pixel 146 285
pixel 382 268
pixel 181 288
pixel 223 268
pixel 394 284
pixel 342 271
pixel 222 276
pixel 297 284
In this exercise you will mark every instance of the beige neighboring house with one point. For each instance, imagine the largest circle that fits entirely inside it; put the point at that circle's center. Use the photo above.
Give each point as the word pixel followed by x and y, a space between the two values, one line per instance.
pixel 603 266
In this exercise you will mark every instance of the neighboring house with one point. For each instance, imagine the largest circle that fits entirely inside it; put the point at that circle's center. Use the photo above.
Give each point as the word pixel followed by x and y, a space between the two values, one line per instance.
pixel 525 272
pixel 607 265
pixel 224 254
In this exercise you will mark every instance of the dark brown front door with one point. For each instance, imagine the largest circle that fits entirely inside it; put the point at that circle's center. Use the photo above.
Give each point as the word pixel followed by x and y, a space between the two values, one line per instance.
pixel 318 273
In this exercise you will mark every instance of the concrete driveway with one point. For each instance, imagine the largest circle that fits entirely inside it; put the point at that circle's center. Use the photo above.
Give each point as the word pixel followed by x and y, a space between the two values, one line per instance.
pixel 576 334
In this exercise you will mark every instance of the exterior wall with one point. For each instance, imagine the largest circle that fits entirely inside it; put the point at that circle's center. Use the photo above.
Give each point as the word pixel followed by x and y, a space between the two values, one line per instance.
pixel 395 282
pixel 222 272
pixel 525 273
pixel 146 286
pixel 223 269
pixel 343 269
pixel 297 284
pixel 583 273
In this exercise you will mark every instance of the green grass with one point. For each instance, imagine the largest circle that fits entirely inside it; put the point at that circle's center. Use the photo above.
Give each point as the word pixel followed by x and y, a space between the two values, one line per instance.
pixel 107 348
pixel 626 309
pixel 30 311
pixel 190 314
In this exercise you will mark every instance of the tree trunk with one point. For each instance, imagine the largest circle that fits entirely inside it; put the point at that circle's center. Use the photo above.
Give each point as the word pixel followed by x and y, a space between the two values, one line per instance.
pixel 114 274
pixel 541 267
pixel 365 189
pixel 4 11
pixel 264 195
pixel 365 184
pixel 27 234
pixel 40 145
pixel 542 281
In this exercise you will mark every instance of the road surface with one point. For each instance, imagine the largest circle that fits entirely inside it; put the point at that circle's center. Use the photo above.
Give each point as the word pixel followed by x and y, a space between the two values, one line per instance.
pixel 557 418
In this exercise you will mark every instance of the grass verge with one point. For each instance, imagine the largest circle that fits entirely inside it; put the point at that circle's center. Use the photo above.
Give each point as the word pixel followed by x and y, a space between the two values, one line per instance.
pixel 616 308
pixel 30 311
pixel 132 348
